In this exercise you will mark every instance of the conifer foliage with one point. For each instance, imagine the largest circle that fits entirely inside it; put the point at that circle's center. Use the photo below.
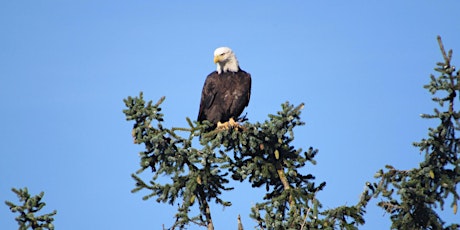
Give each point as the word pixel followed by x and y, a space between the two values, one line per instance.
pixel 412 196
pixel 259 153
pixel 262 154
pixel 28 209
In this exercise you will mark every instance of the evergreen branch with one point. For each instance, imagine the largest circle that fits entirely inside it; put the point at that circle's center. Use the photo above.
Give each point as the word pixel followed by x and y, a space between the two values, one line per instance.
pixel 284 181
pixel 308 211
pixel 240 224
pixel 446 57
pixel 193 172
pixel 420 190
pixel 27 211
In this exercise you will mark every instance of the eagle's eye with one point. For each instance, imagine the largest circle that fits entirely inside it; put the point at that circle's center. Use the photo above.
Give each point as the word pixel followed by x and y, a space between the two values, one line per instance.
pixel 222 54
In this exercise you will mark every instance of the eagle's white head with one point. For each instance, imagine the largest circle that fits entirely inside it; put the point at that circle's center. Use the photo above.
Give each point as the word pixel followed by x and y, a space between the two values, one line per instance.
pixel 225 60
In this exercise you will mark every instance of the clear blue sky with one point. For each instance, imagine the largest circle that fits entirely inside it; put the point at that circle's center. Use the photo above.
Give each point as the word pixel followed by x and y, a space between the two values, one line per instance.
pixel 65 67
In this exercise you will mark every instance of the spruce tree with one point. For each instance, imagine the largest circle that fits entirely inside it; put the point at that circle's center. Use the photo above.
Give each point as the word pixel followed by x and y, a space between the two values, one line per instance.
pixel 260 153
pixel 412 196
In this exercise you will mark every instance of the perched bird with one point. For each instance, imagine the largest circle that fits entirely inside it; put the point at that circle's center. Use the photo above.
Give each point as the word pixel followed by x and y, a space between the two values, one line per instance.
pixel 226 91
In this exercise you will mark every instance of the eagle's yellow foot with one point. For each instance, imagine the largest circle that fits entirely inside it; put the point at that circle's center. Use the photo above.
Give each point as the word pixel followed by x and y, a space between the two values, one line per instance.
pixel 233 123
pixel 221 126
pixel 229 124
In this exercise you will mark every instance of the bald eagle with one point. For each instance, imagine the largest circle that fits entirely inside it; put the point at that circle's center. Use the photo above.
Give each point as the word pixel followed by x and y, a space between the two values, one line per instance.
pixel 226 91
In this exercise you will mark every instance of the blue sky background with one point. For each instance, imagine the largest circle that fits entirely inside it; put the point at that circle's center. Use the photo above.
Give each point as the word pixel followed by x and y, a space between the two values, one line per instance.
pixel 65 67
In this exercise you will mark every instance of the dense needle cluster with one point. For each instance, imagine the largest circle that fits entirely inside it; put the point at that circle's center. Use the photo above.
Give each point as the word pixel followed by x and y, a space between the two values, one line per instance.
pixel 28 210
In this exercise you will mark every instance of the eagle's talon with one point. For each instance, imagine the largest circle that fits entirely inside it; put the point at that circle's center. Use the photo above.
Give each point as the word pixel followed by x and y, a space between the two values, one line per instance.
pixel 229 124
pixel 222 126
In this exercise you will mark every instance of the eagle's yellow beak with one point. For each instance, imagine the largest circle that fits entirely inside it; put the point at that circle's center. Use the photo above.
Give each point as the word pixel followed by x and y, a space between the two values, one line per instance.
pixel 216 59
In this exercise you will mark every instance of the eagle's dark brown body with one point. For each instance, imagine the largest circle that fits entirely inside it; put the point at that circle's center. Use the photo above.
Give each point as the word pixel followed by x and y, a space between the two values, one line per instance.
pixel 224 96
